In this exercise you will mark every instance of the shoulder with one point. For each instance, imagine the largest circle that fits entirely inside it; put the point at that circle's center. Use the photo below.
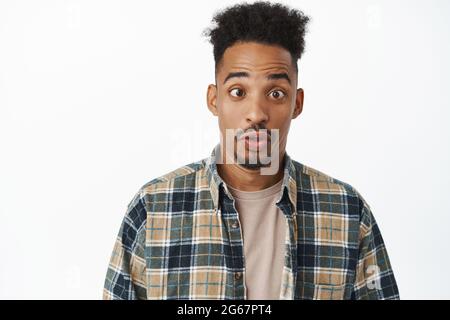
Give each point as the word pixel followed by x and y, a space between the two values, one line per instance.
pixel 176 178
pixel 182 178
pixel 314 181
pixel 321 180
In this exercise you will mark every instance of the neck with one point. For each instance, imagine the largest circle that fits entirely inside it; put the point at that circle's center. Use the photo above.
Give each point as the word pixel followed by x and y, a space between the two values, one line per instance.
pixel 245 179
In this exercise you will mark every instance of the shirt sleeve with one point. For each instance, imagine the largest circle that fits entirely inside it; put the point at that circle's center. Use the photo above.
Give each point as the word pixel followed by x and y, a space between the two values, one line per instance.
pixel 126 276
pixel 374 276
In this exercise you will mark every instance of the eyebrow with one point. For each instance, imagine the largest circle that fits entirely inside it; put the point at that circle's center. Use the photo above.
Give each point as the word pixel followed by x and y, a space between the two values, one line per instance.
pixel 272 76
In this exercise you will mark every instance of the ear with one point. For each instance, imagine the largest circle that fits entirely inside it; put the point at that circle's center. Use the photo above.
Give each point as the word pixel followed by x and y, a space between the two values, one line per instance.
pixel 298 103
pixel 211 98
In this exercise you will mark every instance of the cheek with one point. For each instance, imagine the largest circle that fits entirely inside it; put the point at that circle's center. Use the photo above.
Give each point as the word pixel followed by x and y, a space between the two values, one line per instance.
pixel 229 116
pixel 280 117
pixel 282 121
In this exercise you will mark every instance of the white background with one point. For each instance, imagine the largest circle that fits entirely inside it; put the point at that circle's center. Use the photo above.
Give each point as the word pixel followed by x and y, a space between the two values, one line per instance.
pixel 99 97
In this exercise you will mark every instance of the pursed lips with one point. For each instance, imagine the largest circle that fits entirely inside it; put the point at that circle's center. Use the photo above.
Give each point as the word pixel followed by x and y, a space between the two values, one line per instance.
pixel 256 140
pixel 256 136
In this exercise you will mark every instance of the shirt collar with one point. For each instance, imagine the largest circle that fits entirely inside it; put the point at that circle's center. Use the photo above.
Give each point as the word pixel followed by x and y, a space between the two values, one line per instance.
pixel 289 185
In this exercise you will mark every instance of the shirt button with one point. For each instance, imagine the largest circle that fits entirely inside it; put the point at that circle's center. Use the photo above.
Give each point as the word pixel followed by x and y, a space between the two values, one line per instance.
pixel 234 225
pixel 237 275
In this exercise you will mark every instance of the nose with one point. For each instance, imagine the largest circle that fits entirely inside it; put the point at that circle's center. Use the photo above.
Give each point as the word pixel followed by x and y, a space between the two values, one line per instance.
pixel 256 114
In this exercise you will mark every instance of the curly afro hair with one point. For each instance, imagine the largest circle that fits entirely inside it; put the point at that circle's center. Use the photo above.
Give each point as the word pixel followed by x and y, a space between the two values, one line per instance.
pixel 262 22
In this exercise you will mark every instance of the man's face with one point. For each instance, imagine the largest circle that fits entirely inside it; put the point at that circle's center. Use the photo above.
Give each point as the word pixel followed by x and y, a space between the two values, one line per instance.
pixel 256 89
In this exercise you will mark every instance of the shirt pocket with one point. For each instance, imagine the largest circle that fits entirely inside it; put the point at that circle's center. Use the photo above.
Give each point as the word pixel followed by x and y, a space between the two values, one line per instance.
pixel 315 291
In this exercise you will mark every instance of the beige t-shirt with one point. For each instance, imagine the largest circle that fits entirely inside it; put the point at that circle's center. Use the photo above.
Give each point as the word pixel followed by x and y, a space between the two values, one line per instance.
pixel 263 227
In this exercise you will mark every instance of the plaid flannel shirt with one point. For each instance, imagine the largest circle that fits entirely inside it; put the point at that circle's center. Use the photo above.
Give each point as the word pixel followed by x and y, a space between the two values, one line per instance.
pixel 177 240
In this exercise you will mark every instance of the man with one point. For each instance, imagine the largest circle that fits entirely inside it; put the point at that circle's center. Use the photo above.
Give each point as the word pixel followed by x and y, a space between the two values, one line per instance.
pixel 246 222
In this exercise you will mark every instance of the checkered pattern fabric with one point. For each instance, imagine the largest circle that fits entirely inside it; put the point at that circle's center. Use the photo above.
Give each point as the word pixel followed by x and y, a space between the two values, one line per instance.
pixel 176 240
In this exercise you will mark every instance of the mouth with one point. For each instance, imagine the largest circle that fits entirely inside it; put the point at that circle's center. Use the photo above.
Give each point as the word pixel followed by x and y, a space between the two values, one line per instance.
pixel 255 141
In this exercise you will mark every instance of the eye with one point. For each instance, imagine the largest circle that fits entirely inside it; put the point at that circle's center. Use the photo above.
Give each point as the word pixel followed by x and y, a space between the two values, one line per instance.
pixel 239 92
pixel 278 94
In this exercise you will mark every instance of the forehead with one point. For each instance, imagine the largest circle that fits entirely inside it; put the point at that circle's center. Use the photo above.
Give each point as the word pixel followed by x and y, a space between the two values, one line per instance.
pixel 255 58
